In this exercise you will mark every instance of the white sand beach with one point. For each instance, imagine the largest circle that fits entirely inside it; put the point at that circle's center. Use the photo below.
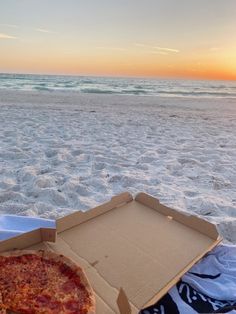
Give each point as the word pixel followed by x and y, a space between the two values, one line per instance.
pixel 61 152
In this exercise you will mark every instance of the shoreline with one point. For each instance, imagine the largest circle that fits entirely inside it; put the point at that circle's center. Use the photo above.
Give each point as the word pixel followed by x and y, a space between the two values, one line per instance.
pixel 61 97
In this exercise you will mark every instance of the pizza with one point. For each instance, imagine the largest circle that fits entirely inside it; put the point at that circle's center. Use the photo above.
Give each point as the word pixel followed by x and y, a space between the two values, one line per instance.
pixel 43 282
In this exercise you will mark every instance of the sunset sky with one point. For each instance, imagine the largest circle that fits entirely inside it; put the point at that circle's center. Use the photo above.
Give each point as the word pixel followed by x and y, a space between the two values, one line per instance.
pixel 157 38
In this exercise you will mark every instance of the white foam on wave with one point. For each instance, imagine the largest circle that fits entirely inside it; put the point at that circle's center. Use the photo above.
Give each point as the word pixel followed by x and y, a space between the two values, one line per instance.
pixel 119 86
pixel 61 152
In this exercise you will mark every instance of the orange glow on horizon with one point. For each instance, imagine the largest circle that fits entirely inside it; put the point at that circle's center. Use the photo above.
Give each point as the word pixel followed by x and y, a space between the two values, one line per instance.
pixel 116 69
pixel 118 63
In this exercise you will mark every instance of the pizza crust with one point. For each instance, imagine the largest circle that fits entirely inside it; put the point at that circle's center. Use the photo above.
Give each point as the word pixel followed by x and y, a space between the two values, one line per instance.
pixel 60 258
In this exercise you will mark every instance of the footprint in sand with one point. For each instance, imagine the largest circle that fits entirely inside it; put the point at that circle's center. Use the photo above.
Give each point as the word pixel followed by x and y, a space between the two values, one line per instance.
pixel 51 153
pixel 190 193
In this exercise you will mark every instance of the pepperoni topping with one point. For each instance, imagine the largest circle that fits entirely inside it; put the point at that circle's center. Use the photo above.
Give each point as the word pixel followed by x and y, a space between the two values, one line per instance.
pixel 72 305
pixel 48 302
pixel 68 286
pixel 43 299
pixel 33 284
pixel 55 305
pixel 66 270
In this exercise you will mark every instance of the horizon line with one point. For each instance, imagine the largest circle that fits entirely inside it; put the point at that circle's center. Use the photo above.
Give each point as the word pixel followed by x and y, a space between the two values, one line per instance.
pixel 120 76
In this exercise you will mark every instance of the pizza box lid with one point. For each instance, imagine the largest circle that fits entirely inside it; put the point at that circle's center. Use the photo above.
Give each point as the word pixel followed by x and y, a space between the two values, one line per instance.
pixel 132 250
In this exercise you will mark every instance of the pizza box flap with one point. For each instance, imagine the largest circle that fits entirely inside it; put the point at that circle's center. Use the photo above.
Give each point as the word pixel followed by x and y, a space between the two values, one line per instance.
pixel 132 250
pixel 27 239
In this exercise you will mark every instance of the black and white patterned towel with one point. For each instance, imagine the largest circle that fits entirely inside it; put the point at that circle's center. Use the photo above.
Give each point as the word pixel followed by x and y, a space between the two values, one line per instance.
pixel 209 287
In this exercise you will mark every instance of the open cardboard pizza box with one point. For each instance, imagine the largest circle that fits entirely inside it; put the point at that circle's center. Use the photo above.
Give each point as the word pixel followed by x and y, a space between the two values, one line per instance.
pixel 132 250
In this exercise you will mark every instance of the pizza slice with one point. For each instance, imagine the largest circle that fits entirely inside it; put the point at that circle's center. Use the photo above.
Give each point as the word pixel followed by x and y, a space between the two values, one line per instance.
pixel 43 282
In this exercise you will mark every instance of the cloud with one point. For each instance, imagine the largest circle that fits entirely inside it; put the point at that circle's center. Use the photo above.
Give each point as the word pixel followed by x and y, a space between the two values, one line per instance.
pixel 166 49
pixel 112 48
pixel 43 30
pixel 10 25
pixel 157 49
pixel 5 36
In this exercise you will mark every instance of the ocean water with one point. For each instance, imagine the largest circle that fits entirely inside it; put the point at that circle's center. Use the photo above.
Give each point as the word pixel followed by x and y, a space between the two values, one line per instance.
pixel 126 86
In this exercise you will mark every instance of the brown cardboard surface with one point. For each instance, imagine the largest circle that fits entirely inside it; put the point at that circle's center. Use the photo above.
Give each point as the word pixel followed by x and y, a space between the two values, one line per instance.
pixel 194 222
pixel 138 245
pixel 137 248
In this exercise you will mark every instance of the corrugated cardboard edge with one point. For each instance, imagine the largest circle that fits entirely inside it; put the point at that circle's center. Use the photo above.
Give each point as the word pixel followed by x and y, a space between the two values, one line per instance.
pixel 194 222
pixel 28 239
pixel 123 303
pixel 79 217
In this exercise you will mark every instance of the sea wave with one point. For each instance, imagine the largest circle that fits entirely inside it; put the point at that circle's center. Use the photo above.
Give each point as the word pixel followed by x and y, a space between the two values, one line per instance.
pixel 42 88
pixel 96 91
pixel 123 86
